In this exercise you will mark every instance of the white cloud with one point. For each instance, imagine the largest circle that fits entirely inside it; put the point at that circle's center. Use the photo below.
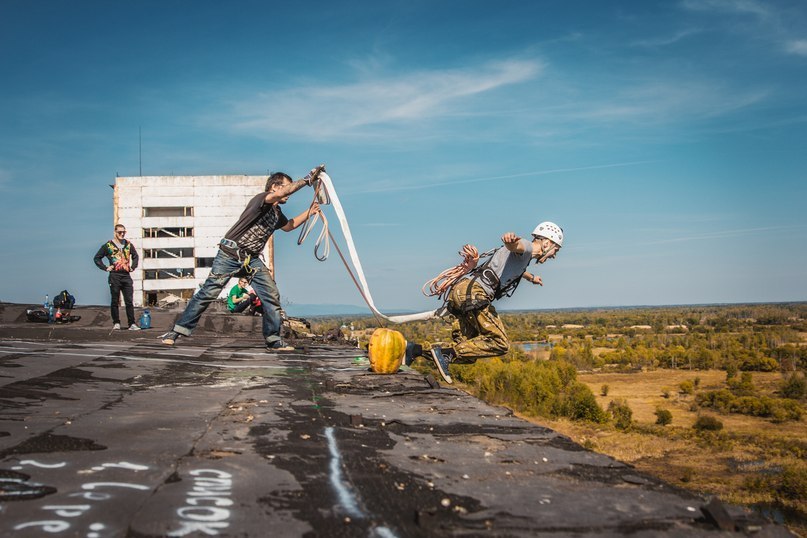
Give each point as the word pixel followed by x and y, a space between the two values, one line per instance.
pixel 797 46
pixel 729 6
pixel 663 41
pixel 768 23
pixel 400 186
pixel 325 111
pixel 664 101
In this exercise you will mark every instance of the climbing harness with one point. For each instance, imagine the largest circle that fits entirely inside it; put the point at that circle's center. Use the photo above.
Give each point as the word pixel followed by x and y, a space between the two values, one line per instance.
pixel 325 194
pixel 243 256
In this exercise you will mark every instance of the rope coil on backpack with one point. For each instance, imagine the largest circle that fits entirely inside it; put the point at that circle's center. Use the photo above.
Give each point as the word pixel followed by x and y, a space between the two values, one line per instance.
pixel 442 283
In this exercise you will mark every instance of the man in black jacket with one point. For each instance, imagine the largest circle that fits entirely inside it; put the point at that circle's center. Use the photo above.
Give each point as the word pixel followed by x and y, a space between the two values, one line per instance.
pixel 123 259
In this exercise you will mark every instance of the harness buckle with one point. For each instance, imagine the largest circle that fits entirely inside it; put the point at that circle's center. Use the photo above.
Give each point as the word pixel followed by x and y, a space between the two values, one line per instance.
pixel 229 243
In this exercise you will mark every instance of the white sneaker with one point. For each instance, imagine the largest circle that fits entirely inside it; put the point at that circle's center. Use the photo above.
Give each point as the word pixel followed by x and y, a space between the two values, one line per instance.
pixel 134 327
pixel 116 327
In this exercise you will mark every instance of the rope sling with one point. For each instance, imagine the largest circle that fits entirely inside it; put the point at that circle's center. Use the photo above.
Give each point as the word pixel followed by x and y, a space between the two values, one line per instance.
pixel 325 194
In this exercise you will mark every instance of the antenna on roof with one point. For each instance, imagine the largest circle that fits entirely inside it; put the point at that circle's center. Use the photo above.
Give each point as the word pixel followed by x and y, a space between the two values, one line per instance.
pixel 140 150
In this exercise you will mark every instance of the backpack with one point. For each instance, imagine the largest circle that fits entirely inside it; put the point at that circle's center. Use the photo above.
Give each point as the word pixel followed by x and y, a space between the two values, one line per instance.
pixel 64 300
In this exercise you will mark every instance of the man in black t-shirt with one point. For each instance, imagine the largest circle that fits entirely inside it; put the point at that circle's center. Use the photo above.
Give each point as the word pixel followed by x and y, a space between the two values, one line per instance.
pixel 239 253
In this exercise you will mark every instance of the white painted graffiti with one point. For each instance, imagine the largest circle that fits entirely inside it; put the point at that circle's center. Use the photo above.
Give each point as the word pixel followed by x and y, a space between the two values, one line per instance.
pixel 121 465
pixel 205 510
pixel 72 511
pixel 39 464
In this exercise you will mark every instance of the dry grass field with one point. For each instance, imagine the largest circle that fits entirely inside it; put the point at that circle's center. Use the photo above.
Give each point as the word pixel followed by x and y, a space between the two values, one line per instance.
pixel 722 463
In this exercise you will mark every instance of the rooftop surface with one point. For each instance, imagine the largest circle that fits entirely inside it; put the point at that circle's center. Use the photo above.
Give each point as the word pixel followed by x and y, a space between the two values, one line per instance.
pixel 108 433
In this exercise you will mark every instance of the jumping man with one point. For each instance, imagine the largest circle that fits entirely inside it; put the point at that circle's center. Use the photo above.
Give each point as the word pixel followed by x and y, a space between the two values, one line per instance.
pixel 478 332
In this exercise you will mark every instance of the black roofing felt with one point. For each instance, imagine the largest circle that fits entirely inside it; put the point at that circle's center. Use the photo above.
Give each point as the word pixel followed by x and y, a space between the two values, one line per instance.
pixel 108 433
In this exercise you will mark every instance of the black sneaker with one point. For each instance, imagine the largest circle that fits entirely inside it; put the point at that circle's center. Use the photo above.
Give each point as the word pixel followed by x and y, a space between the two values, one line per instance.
pixel 412 350
pixel 279 345
pixel 442 363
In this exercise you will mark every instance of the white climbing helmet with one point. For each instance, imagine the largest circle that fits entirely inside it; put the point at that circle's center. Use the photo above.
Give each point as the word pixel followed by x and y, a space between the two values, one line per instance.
pixel 551 231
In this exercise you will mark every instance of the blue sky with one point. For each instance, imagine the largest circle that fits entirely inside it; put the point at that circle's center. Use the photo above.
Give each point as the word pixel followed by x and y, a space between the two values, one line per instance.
pixel 666 138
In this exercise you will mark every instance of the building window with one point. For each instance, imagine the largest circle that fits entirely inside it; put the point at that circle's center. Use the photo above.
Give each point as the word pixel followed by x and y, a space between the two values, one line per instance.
pixel 167 232
pixel 165 274
pixel 167 211
pixel 204 262
pixel 162 253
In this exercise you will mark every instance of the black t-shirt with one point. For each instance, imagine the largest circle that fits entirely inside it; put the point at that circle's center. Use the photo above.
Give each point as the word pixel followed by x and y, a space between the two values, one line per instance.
pixel 256 224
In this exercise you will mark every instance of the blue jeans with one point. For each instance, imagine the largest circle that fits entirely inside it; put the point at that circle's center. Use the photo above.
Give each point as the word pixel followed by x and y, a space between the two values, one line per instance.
pixel 224 268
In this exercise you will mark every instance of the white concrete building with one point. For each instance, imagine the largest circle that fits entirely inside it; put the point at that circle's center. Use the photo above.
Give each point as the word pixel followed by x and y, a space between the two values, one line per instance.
pixel 175 223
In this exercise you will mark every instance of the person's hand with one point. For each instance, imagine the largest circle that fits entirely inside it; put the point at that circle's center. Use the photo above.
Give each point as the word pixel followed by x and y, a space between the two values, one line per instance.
pixel 471 255
pixel 314 209
pixel 510 238
pixel 537 280
pixel 110 268
pixel 313 174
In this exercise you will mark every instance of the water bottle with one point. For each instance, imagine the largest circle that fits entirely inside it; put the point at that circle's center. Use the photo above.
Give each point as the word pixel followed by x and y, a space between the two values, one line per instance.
pixel 50 313
pixel 145 319
pixel 47 301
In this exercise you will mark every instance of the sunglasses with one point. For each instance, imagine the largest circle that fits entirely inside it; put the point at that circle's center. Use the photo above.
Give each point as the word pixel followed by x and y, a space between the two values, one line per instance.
pixel 120 232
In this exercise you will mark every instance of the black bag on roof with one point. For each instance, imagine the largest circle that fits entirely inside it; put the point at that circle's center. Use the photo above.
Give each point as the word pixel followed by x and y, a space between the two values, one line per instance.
pixel 64 300
pixel 36 315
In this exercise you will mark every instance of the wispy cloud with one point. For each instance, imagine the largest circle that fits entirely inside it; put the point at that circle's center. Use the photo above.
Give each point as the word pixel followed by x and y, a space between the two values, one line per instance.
pixel 797 46
pixel 665 101
pixel 326 111
pixel 752 7
pixel 717 234
pixel 398 186
pixel 769 23
pixel 663 41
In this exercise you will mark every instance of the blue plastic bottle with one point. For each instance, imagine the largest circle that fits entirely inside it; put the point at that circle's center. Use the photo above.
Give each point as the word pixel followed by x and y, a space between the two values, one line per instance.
pixel 145 319
pixel 47 301
pixel 50 313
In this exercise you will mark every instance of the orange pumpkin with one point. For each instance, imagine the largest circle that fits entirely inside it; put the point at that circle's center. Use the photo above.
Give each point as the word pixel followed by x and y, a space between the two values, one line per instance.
pixel 386 350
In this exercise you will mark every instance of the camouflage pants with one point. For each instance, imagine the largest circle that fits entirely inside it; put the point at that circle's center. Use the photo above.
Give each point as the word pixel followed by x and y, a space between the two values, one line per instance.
pixel 478 333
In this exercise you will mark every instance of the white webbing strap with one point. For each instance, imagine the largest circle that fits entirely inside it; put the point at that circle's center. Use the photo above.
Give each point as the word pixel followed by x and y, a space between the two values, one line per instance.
pixel 354 257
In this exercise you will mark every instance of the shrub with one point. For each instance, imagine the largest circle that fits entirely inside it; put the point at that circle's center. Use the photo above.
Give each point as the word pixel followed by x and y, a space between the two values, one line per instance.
pixel 665 392
pixel 718 399
pixel 536 388
pixel 731 370
pixel 578 403
pixel 663 416
pixel 604 390
pixel 687 387
pixel 777 409
pixel 759 363
pixel 708 423
pixel 750 405
pixel 787 486
pixel 743 386
pixel 621 413
pixel 794 387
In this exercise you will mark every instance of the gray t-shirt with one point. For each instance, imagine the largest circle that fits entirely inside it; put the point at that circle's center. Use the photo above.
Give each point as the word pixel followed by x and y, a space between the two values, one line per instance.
pixel 507 266
pixel 258 221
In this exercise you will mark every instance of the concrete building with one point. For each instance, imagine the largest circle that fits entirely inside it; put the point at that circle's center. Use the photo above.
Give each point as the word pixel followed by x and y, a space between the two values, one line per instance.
pixel 175 222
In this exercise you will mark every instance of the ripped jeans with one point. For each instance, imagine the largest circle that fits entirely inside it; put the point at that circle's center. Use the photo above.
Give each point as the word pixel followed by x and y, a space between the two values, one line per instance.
pixel 224 268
